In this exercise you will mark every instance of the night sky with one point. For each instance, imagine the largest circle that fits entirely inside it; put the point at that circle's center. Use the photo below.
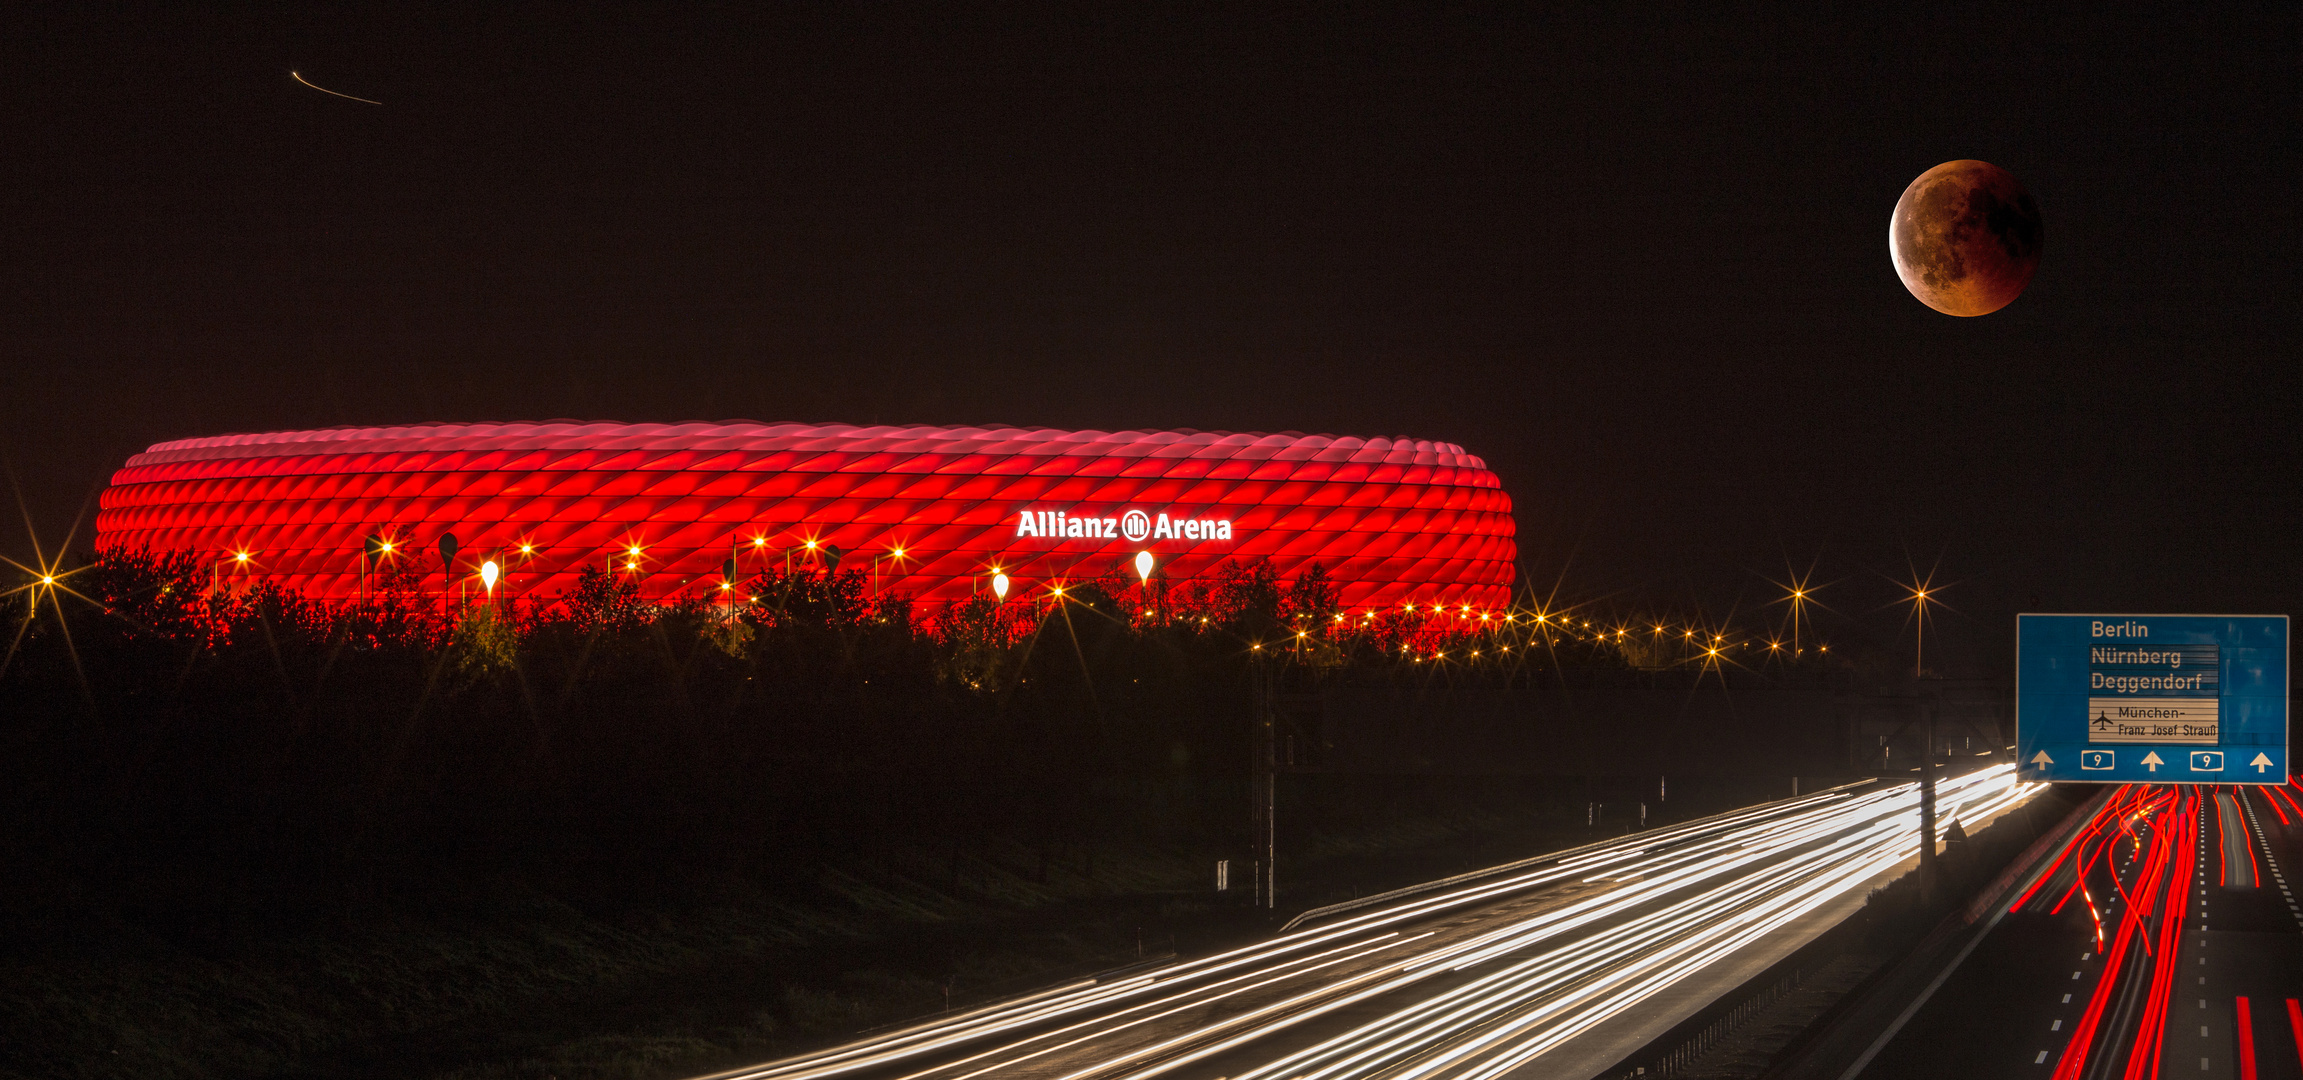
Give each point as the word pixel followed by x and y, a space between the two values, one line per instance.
pixel 1637 262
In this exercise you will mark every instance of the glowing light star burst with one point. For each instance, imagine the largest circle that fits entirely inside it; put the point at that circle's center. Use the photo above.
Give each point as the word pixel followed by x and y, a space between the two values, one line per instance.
pixel 1920 592
pixel 1799 591
pixel 47 580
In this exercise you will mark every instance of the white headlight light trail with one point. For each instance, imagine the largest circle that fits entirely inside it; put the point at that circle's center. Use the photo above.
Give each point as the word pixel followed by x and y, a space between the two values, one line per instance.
pixel 1577 985
pixel 1006 1019
pixel 1198 997
pixel 1672 901
pixel 946 1032
pixel 1413 1031
pixel 1308 1005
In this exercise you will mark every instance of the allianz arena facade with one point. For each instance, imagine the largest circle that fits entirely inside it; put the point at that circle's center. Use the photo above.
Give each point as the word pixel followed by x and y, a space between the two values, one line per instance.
pixel 928 512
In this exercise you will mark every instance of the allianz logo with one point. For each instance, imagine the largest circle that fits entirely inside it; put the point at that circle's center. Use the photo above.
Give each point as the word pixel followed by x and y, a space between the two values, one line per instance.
pixel 1135 526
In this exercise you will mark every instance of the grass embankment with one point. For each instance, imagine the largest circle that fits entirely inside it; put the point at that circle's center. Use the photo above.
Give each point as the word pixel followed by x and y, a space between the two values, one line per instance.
pixel 250 834
pixel 499 979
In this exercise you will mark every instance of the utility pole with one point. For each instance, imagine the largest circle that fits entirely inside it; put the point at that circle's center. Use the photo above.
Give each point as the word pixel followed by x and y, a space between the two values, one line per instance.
pixel 1927 863
pixel 1264 786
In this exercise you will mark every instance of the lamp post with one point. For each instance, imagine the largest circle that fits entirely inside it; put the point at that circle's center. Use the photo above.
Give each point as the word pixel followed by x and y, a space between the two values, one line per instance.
pixel 1144 565
pixel 1919 640
pixel 376 549
pixel 892 553
pixel 447 569
pixel 238 559
pixel 1923 592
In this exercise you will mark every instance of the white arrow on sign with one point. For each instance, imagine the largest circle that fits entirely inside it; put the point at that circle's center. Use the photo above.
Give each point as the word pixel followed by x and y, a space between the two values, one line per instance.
pixel 2261 762
pixel 2041 758
pixel 2151 761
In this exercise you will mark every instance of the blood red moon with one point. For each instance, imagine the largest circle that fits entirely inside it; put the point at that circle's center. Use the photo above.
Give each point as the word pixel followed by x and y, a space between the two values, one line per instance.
pixel 1965 238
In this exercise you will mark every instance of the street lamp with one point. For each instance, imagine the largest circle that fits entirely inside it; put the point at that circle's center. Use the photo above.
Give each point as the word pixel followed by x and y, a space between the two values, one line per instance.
pixel 447 569
pixel 1919 647
pixel 1919 593
pixel 1145 563
pixel 489 571
pixel 373 552
pixel 239 561
pixel 892 553
pixel 999 585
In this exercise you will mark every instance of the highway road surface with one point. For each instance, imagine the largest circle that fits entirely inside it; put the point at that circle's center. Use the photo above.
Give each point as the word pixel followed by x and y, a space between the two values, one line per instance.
pixel 1494 977
pixel 2166 941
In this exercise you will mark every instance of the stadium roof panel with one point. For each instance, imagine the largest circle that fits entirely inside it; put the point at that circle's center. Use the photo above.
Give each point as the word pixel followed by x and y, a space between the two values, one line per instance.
pixel 1039 502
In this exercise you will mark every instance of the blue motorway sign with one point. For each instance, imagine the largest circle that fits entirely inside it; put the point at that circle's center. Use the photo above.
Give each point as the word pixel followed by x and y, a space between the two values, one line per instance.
pixel 2187 699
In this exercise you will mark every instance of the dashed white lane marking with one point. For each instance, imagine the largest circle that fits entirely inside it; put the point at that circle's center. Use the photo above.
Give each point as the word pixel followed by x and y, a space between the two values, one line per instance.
pixel 2056 1026
pixel 2041 1059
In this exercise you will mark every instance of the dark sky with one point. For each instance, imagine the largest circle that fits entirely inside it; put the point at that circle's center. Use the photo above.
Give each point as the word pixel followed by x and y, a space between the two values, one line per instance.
pixel 1636 261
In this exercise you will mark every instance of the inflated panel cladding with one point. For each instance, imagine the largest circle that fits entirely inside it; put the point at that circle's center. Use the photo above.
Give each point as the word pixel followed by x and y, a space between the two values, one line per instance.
pixel 1394 520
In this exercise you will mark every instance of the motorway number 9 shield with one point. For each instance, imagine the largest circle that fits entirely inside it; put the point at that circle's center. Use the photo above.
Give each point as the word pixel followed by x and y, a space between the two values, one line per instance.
pixel 2152 698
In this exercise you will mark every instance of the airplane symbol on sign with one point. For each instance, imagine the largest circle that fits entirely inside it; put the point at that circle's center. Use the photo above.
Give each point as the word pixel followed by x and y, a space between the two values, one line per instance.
pixel 2095 759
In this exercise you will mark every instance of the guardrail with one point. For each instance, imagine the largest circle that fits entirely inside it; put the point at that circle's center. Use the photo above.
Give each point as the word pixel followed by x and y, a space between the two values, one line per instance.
pixel 1688 1053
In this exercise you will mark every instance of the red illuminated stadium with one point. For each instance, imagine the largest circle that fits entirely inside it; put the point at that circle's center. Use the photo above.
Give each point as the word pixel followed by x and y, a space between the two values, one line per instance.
pixel 928 512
